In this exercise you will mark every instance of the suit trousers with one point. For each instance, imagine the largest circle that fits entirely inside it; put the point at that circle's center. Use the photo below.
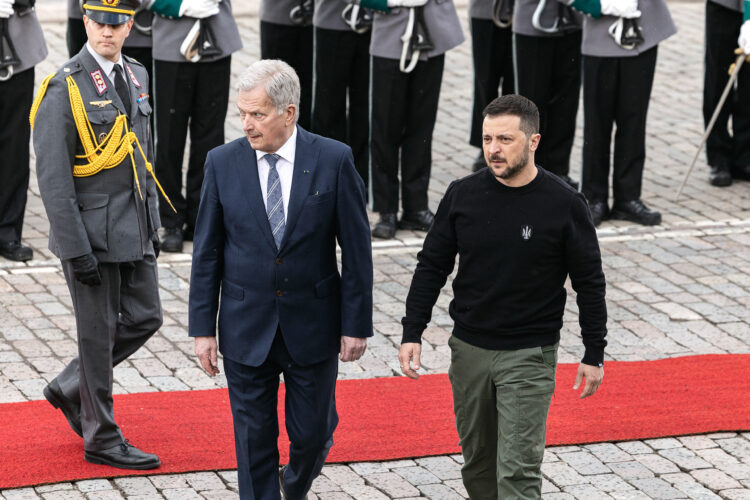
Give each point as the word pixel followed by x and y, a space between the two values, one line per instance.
pixel 311 418
pixel 342 67
pixel 501 400
pixel 616 90
pixel 548 71
pixel 404 109
pixel 492 53
pixel 113 321
pixel 194 95
pixel 75 36
pixel 722 148
pixel 16 95
pixel 293 45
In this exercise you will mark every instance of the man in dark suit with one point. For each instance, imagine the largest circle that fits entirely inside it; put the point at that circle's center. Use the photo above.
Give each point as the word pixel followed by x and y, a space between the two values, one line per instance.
pixel 273 206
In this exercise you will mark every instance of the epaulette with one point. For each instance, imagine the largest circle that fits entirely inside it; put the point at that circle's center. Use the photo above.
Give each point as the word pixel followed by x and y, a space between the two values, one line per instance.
pixel 132 60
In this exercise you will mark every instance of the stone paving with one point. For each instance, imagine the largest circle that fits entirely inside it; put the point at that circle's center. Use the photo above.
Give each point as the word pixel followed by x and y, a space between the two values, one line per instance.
pixel 679 289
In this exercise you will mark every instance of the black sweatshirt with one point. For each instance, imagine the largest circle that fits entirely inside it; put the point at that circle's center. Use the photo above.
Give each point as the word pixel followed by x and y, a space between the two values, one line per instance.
pixel 516 246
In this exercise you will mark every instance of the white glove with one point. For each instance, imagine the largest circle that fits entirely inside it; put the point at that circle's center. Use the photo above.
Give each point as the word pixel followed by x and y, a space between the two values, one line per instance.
pixel 406 3
pixel 744 40
pixel 198 9
pixel 621 8
pixel 6 9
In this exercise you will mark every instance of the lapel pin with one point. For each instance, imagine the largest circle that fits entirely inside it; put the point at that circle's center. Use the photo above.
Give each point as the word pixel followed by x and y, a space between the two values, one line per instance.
pixel 305 171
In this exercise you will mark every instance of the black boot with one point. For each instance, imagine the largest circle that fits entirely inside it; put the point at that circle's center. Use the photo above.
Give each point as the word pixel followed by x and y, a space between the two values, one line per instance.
pixel 14 250
pixel 720 176
pixel 635 211
pixel 416 221
pixel 385 228
pixel 172 240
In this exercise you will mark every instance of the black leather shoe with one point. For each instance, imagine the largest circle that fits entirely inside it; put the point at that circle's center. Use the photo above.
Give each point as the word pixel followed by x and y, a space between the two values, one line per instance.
pixel 570 182
pixel 741 173
pixel 14 250
pixel 479 162
pixel 417 221
pixel 123 456
pixel 720 176
pixel 635 211
pixel 70 409
pixel 599 212
pixel 172 240
pixel 284 496
pixel 385 228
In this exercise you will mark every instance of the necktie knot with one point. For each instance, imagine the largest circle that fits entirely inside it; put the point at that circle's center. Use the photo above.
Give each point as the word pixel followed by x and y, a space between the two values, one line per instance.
pixel 272 159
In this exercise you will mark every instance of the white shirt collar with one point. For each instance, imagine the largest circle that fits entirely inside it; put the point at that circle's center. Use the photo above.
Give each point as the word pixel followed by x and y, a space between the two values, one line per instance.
pixel 287 151
pixel 104 63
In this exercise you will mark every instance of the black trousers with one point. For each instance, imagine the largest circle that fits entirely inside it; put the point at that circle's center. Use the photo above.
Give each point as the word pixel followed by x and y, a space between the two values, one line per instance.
pixel 75 36
pixel 548 71
pixel 404 108
pixel 725 149
pixel 194 95
pixel 293 45
pixel 113 320
pixel 16 95
pixel 616 90
pixel 342 67
pixel 310 413
pixel 492 53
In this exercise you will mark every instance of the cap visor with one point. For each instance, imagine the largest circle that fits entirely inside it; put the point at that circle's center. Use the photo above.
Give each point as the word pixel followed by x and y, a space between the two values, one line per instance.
pixel 111 18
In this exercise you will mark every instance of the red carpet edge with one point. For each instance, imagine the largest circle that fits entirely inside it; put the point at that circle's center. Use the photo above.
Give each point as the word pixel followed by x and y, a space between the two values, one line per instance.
pixel 385 419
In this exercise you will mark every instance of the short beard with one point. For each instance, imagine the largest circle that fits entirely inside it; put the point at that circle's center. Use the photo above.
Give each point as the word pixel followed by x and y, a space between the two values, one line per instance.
pixel 513 169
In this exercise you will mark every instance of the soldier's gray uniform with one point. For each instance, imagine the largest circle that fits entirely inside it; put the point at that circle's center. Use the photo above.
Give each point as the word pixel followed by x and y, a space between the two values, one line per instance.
pixel 405 106
pixel 617 89
pixel 16 95
pixel 103 214
pixel 548 71
pixel 185 90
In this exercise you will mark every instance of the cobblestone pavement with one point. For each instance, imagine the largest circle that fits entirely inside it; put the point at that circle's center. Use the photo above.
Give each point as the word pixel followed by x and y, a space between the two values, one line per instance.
pixel 679 289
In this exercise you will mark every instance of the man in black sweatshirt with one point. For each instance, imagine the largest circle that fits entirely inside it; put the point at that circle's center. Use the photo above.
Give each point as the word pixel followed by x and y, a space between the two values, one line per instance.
pixel 519 231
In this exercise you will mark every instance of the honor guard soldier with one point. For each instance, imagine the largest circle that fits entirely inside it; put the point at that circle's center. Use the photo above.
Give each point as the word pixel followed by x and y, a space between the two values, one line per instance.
pixel 342 68
pixel 286 33
pixel 75 35
pixel 728 155
pixel 620 39
pixel 92 139
pixel 547 45
pixel 192 45
pixel 408 46
pixel 492 53
pixel 21 48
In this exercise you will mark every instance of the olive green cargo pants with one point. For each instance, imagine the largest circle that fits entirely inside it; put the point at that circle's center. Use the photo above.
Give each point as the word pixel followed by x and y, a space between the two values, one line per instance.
pixel 501 400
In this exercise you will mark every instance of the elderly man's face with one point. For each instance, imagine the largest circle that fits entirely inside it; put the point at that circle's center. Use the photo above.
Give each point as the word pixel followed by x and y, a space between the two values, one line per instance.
pixel 264 127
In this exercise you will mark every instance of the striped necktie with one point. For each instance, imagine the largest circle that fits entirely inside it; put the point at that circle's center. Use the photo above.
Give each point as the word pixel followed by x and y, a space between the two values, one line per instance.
pixel 274 200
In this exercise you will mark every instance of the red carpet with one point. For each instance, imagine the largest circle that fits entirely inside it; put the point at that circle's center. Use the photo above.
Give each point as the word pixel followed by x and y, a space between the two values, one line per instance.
pixel 383 419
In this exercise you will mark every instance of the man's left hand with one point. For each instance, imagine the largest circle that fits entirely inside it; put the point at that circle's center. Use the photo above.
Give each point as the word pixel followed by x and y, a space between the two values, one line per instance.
pixel 352 348
pixel 593 376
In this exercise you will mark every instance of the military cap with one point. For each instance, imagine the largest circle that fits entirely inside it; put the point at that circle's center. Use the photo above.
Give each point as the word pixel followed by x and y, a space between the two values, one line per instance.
pixel 112 12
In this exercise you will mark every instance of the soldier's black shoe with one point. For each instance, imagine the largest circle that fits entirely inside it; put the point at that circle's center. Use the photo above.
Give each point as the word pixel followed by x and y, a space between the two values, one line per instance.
pixel 172 240
pixel 123 456
pixel 741 173
pixel 479 162
pixel 385 228
pixel 635 211
pixel 416 221
pixel 570 182
pixel 70 409
pixel 720 176
pixel 599 212
pixel 14 250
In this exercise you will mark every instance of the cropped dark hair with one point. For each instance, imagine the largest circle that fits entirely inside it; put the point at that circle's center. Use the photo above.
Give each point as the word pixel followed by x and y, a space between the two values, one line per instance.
pixel 515 105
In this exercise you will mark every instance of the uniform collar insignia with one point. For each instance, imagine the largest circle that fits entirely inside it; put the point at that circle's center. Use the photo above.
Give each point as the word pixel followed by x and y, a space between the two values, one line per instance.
pixel 99 83
pixel 132 76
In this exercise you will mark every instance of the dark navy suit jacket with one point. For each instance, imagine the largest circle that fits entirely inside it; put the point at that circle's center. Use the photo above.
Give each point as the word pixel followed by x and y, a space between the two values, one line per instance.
pixel 254 288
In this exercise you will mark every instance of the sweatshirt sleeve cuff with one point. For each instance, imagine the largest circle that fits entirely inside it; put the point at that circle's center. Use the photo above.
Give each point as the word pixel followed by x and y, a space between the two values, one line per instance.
pixel 411 335
pixel 593 356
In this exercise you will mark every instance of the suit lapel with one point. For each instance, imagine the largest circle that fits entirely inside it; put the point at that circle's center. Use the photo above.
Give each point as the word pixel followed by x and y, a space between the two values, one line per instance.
pixel 305 159
pixel 92 67
pixel 246 167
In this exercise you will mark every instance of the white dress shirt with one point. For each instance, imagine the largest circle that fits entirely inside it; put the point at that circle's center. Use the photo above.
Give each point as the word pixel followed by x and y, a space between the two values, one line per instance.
pixel 285 168
pixel 107 66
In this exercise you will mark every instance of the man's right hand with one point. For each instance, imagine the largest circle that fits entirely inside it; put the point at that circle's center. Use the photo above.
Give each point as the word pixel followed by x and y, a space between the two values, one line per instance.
pixel 199 9
pixel 409 351
pixel 621 8
pixel 6 9
pixel 205 349
pixel 86 269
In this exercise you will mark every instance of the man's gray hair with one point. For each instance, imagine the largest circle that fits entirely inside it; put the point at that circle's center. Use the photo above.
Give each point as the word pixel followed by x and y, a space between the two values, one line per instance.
pixel 279 79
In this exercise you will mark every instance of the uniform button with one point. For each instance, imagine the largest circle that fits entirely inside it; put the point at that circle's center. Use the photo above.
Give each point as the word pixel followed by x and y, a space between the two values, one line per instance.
pixel 279 293
pixel 278 261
